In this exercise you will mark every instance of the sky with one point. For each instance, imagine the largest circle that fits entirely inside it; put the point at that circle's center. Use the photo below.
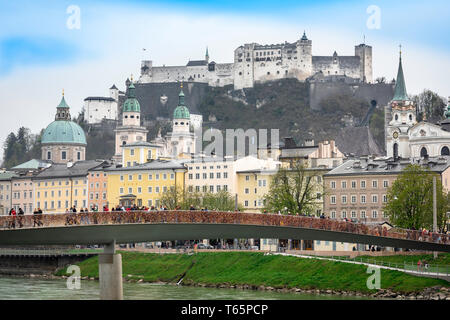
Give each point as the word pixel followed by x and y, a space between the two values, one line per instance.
pixel 85 46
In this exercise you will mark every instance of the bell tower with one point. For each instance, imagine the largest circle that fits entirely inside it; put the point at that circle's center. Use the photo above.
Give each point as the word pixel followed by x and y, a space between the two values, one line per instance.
pixel 403 113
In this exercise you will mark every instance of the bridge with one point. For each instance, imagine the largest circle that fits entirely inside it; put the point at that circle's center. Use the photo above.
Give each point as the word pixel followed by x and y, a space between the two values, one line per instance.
pixel 109 228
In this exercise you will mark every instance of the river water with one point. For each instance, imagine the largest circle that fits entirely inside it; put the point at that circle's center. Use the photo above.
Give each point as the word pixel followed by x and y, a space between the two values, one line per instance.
pixel 15 288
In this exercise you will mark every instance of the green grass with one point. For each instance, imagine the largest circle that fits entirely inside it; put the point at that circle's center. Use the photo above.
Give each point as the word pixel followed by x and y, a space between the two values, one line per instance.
pixel 443 259
pixel 239 268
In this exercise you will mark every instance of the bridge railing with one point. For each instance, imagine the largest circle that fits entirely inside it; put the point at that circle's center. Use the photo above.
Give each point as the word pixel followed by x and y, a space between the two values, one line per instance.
pixel 213 217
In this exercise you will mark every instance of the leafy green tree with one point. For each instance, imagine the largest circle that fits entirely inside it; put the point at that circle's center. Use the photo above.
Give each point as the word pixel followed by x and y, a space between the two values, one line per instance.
pixel 410 199
pixel 293 191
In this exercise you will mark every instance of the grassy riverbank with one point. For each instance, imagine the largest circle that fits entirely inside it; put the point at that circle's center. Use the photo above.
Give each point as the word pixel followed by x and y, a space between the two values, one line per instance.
pixel 442 259
pixel 256 269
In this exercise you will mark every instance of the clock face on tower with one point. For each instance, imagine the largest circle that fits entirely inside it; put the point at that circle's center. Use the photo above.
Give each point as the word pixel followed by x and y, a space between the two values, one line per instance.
pixel 395 135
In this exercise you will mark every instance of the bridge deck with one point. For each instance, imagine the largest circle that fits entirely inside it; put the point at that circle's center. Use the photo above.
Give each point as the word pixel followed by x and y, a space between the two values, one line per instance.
pixel 141 226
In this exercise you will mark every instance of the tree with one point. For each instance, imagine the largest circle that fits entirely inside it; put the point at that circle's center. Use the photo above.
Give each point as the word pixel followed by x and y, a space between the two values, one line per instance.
pixel 293 190
pixel 175 198
pixel 410 199
pixel 431 104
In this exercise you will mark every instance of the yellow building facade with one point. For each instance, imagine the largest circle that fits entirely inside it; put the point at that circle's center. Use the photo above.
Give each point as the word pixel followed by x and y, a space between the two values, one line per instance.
pixel 252 186
pixel 143 184
pixel 139 153
pixel 62 186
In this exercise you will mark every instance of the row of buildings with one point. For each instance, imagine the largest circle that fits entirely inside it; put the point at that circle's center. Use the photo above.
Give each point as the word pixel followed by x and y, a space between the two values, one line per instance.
pixel 141 171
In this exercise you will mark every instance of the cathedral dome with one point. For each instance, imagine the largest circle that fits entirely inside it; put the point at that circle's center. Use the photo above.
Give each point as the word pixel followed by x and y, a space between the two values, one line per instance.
pixel 64 132
pixel 131 104
pixel 181 111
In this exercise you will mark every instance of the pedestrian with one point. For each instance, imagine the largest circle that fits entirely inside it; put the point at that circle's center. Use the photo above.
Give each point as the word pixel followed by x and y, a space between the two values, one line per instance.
pixel 419 263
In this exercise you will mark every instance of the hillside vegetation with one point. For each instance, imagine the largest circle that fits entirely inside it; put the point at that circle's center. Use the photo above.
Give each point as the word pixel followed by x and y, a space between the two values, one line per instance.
pixel 280 105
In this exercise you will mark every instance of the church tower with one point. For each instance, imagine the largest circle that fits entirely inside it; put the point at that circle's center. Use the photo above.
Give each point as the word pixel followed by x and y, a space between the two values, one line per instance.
pixel 181 140
pixel 403 113
pixel 131 130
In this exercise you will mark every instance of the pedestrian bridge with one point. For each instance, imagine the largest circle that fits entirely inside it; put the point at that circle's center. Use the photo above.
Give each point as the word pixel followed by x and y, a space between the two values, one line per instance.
pixel 142 226
pixel 109 228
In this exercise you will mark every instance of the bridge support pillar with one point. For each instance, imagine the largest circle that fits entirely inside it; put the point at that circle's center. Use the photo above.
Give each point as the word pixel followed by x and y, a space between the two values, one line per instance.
pixel 110 273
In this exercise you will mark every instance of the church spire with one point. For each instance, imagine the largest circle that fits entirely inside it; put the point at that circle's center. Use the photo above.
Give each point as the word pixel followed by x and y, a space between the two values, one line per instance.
pixel 400 87
pixel 207 55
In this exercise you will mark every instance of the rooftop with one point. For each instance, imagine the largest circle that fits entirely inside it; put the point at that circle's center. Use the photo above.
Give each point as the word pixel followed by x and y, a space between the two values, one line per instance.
pixel 151 165
pixel 383 166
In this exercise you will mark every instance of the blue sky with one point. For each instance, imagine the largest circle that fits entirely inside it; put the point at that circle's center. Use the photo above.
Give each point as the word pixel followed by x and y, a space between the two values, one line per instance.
pixel 39 55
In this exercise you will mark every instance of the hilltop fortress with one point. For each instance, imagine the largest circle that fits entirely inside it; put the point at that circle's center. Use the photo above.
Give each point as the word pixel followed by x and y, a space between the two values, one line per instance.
pixel 255 63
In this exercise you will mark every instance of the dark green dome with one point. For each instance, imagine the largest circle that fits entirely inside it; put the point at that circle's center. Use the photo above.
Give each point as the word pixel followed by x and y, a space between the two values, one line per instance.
pixel 181 111
pixel 131 104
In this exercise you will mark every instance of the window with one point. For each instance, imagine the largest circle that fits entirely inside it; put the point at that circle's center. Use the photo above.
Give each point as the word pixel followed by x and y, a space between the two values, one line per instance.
pixel 121 178
pixel 157 189
pixel 197 176
pixel 130 190
pixel 121 190
pixel 225 175
pixel 246 203
pixel 384 198
pixel 344 199
pixel 205 176
pixel 157 176
pixel 139 190
pixel 140 177
pixel 149 189
pixel 363 214
pixel 132 152
pixel 63 155
pixel 363 198
pixel 374 198
pixel 353 199
pixel 333 184
pixel 374 184
pixel 363 184
pixel 211 188
pixel 344 184
pixel 164 176
pixel 374 214
pixel 211 175
pixel 333 199
pixel 386 184
pixel 150 177
pixel 247 178
pixel 353 214
pixel 344 214
pixel 78 155
pixel 333 214
pixel 130 177
pixel 218 175
pixel 247 191
pixel 353 184
pixel 172 176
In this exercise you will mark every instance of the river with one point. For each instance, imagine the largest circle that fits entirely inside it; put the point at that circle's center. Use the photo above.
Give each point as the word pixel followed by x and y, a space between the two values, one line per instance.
pixel 16 288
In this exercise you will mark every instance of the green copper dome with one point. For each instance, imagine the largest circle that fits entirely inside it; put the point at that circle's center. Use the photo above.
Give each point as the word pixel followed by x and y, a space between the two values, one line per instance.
pixel 62 130
pixel 181 111
pixel 131 104
pixel 65 132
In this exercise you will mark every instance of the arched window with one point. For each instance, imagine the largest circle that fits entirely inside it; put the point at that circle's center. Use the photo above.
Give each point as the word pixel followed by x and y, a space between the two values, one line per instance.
pixel 423 152
pixel 396 117
pixel 395 151
pixel 124 143
pixel 445 151
pixel 49 155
